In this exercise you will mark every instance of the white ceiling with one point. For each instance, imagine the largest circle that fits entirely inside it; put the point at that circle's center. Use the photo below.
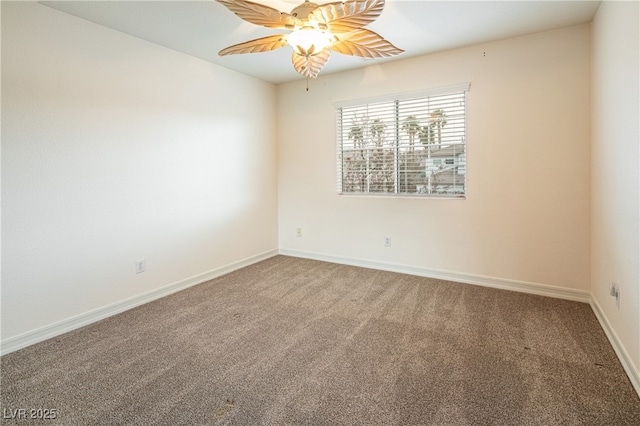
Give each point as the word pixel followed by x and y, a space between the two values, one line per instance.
pixel 202 28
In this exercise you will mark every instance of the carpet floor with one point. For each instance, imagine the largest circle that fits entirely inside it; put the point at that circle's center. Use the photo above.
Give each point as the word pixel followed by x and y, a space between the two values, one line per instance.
pixel 296 341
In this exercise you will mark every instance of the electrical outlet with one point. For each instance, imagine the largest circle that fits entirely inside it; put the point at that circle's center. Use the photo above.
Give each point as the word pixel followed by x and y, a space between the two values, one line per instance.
pixel 140 266
pixel 387 241
pixel 299 232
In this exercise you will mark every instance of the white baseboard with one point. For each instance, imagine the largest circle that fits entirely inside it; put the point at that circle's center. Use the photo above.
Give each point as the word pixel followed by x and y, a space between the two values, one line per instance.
pixel 618 347
pixel 38 335
pixel 501 283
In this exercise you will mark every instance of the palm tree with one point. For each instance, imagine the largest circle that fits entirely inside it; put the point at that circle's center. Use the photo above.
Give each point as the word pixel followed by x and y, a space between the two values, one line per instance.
pixel 411 126
pixel 378 131
pixel 381 176
pixel 361 138
pixel 357 135
pixel 437 119
pixel 426 135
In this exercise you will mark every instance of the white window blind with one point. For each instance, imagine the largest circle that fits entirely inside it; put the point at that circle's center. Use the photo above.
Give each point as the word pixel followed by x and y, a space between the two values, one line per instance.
pixel 407 145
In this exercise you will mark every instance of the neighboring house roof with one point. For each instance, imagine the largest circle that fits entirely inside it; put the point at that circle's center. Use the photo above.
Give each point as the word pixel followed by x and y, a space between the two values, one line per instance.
pixel 438 151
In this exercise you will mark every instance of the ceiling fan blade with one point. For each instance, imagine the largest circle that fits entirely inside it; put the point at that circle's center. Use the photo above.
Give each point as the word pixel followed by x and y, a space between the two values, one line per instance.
pixel 310 66
pixel 342 17
pixel 364 43
pixel 261 15
pixel 264 44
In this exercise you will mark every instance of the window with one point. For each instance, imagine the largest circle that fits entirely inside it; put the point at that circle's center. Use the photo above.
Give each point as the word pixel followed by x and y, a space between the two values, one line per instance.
pixel 412 144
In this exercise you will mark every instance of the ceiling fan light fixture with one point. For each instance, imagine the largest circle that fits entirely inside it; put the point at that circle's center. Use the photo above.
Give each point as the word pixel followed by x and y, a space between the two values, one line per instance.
pixel 309 41
pixel 316 31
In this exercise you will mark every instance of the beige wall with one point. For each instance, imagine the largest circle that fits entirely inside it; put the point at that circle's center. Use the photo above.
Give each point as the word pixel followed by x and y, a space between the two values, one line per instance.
pixel 115 149
pixel 615 176
pixel 526 216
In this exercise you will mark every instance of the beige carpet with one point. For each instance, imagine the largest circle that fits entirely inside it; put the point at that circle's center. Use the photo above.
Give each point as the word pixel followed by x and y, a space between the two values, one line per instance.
pixel 294 341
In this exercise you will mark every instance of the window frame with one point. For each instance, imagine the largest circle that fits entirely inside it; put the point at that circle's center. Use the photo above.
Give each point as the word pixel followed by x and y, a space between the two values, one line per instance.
pixel 397 146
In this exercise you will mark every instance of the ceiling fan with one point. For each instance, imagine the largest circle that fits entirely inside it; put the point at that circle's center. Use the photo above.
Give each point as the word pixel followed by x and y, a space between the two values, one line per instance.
pixel 315 31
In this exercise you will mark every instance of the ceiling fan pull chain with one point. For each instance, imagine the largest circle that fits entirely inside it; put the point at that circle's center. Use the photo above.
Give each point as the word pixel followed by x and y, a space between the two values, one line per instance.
pixel 307 83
